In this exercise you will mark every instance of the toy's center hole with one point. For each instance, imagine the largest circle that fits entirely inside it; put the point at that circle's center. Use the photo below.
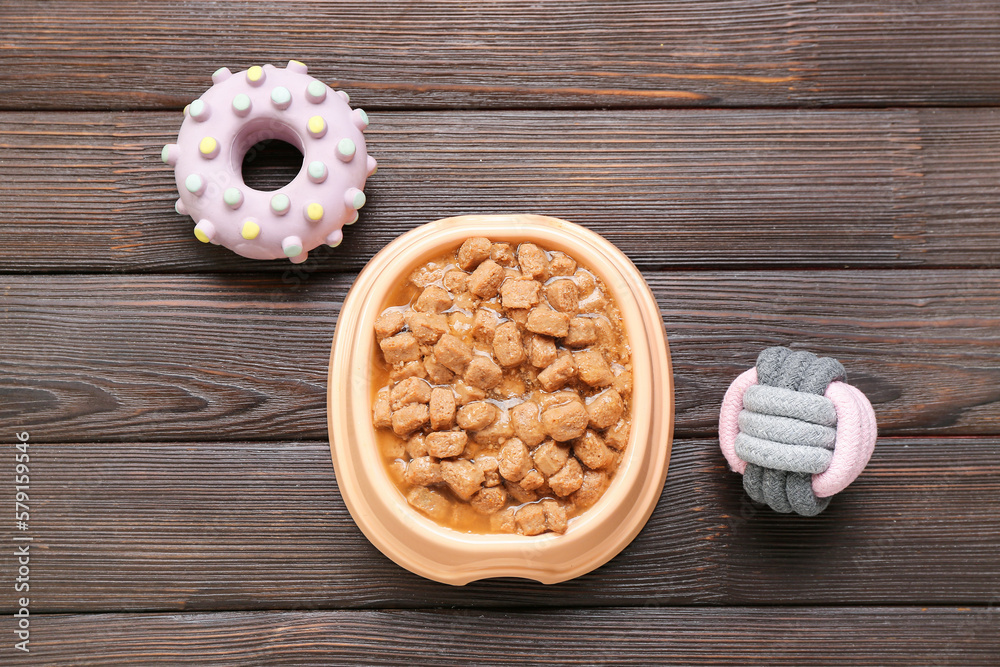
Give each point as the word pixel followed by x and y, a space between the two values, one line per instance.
pixel 271 164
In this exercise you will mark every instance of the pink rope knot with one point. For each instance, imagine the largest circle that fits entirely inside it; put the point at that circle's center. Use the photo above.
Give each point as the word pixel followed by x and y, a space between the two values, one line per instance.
pixel 795 431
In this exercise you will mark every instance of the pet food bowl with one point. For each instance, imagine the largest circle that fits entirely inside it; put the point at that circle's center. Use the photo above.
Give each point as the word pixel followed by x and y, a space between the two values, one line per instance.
pixel 443 554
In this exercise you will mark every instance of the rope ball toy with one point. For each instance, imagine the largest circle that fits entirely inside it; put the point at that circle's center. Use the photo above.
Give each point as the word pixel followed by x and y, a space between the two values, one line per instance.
pixel 260 104
pixel 795 430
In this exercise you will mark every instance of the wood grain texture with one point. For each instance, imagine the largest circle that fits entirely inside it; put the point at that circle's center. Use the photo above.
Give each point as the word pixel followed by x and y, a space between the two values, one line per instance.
pixel 448 53
pixel 707 188
pixel 807 635
pixel 127 526
pixel 178 358
pixel 820 173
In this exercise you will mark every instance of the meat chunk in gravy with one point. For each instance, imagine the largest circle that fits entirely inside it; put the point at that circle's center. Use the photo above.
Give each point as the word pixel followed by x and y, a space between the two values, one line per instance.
pixel 502 388
pixel 476 416
pixel 507 346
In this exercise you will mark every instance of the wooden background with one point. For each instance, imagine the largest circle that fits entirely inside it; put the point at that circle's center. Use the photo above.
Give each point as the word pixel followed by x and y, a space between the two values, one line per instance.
pixel 822 173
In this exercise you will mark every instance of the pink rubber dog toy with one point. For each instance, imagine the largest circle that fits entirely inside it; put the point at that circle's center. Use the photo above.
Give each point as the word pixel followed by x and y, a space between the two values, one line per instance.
pixel 255 105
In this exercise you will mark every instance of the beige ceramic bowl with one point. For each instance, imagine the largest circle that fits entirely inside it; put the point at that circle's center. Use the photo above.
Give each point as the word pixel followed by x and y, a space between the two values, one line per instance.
pixel 416 542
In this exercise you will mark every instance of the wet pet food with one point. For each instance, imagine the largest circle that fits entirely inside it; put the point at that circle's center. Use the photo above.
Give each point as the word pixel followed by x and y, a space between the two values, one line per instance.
pixel 502 388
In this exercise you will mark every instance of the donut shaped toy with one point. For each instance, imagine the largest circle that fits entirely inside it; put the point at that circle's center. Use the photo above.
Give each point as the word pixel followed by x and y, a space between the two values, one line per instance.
pixel 795 430
pixel 259 104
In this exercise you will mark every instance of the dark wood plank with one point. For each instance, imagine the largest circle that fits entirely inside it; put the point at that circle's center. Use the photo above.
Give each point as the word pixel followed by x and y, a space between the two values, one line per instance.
pixel 448 54
pixel 177 358
pixel 126 526
pixel 954 205
pixel 814 636
pixel 87 192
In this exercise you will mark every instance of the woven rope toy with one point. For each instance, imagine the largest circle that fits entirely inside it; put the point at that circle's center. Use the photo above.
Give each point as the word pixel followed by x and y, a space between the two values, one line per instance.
pixel 795 430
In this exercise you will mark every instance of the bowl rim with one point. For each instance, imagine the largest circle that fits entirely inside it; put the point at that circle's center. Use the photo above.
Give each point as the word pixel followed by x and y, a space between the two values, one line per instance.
pixel 437 552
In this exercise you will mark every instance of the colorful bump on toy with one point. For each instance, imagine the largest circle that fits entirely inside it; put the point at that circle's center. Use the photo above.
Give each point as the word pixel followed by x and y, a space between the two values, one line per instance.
pixel 259 104
pixel 795 431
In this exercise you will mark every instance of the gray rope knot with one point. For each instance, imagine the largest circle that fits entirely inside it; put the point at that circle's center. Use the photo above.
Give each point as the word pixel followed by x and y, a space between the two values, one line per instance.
pixel 787 429
pixel 796 432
